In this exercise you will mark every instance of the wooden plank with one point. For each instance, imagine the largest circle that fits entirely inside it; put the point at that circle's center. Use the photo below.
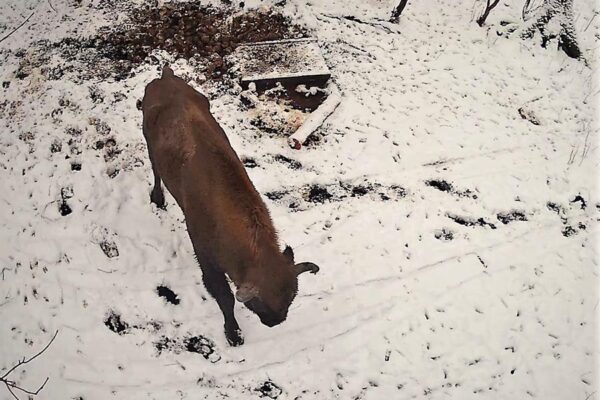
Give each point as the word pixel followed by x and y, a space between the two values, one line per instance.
pixel 291 61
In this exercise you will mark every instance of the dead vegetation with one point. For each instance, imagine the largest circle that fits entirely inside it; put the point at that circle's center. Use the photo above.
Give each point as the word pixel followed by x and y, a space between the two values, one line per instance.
pixel 186 30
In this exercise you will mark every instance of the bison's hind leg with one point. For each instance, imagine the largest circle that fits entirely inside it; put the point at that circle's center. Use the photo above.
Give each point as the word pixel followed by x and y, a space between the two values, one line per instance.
pixel 157 196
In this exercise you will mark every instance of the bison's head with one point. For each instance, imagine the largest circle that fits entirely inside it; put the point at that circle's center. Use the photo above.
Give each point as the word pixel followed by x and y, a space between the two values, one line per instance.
pixel 271 294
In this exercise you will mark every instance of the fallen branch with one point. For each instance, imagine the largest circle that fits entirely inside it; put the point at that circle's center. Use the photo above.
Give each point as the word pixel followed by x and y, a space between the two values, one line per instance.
pixel 17 28
pixel 10 384
pixel 377 23
pixel 316 119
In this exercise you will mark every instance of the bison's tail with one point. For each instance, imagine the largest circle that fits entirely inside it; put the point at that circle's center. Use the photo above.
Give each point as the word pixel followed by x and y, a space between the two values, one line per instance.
pixel 167 72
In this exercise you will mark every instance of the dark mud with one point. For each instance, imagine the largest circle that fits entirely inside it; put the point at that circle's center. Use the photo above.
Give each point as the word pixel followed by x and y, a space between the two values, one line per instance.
pixel 169 295
pixel 579 199
pixel 114 323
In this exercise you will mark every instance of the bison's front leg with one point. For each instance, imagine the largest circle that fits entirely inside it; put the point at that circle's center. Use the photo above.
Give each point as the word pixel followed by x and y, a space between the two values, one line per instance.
pixel 217 286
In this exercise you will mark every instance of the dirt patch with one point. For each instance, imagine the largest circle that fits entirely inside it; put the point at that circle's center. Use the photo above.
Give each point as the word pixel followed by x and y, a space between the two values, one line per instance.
pixel 570 227
pixel 558 209
pixel 114 323
pixel 164 343
pixel 306 99
pixel 570 230
pixel 469 221
pixel 198 344
pixel 183 29
pixel 579 199
pixel 447 187
pixel 359 191
pixel 510 216
pixel 529 115
pixel 65 194
pixel 310 195
pixel 444 234
pixel 281 110
pixel 318 194
pixel 276 195
pixel 169 295
pixel 64 209
pixel 288 162
pixel 249 162
pixel 269 389
pixel 295 96
pixel 109 248
pixel 111 150
pixel 440 185
pixel 56 146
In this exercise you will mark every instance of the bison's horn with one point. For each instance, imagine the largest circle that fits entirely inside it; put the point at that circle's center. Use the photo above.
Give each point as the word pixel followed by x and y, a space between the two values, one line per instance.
pixel 246 293
pixel 306 267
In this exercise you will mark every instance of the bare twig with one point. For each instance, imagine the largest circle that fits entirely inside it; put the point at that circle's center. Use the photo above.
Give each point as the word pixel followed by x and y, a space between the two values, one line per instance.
pixel 10 384
pixel 489 7
pixel 51 6
pixel 18 27
pixel 590 22
pixel 398 11
pixel 590 395
pixel 572 155
pixel 586 147
pixel 529 9
pixel 11 392
pixel 375 24
pixel 4 269
pixel 13 385
pixel 25 361
pixel 525 9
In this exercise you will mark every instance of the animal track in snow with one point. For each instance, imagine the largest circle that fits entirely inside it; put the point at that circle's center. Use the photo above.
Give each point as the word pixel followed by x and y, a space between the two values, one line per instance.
pixel 309 195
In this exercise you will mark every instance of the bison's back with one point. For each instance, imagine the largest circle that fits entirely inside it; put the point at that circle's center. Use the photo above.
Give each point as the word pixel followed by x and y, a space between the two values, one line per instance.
pixel 179 127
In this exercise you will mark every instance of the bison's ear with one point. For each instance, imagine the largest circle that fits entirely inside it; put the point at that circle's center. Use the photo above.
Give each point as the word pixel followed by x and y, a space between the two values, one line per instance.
pixel 246 292
pixel 289 254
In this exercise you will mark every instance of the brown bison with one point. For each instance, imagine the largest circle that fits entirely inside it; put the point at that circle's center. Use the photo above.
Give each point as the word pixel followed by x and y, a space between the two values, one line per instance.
pixel 227 221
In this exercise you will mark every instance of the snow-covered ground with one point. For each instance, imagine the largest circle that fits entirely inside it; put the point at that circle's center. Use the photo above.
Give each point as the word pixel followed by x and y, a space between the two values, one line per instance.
pixel 487 289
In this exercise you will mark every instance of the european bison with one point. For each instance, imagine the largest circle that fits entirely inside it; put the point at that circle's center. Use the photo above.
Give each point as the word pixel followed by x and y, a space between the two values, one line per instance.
pixel 227 221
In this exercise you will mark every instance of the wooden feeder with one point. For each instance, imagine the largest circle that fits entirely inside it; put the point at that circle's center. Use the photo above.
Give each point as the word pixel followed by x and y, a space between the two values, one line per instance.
pixel 290 62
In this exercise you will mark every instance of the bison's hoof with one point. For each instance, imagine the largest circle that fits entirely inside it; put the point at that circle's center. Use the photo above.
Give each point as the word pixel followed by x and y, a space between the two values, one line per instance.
pixel 158 198
pixel 234 337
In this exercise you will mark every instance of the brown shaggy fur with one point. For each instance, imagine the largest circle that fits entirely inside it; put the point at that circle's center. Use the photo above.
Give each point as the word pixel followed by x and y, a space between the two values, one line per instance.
pixel 227 221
